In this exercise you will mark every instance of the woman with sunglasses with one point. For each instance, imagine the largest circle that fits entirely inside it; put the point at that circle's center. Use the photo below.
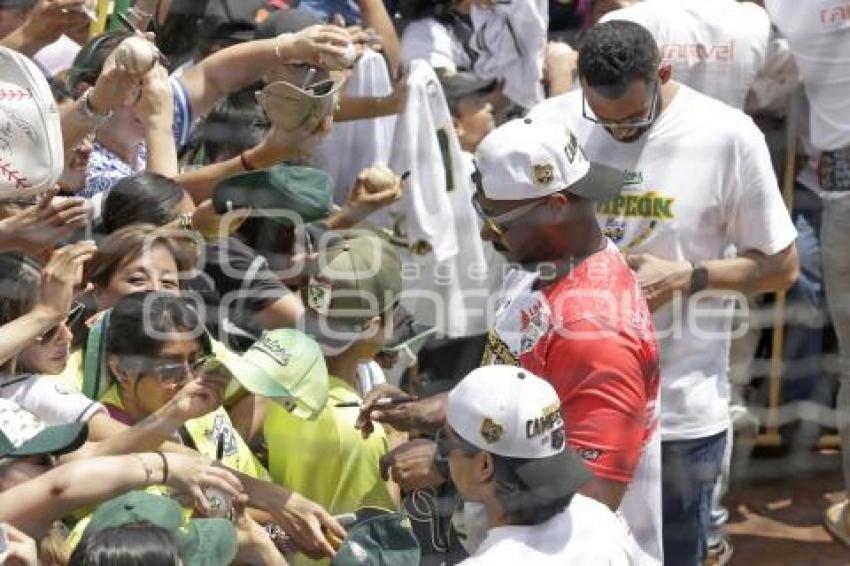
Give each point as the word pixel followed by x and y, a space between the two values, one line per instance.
pixel 37 310
pixel 135 258
pixel 35 302
pixel 154 346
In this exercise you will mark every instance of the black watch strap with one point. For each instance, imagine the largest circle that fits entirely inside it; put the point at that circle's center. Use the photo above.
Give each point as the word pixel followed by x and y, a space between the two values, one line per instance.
pixel 699 278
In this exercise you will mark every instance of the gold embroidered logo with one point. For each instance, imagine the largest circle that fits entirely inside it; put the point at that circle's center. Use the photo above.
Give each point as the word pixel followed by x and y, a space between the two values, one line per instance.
pixel 544 174
pixel 491 431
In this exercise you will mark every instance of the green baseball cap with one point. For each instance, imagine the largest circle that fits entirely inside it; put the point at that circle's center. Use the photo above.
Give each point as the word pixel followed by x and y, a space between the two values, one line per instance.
pixel 354 279
pixel 302 191
pixel 202 542
pixel 23 434
pixel 379 538
pixel 284 365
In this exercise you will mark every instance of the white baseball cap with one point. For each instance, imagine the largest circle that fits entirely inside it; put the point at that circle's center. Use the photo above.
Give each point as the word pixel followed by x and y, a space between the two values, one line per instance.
pixel 528 159
pixel 510 412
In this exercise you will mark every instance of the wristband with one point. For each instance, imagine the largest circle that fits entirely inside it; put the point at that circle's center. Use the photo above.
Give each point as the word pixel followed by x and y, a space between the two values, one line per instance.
pixel 164 467
pixel 89 113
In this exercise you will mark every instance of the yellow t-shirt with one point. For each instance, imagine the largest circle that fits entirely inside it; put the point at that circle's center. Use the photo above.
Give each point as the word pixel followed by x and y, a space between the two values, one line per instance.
pixel 204 432
pixel 73 373
pixel 326 459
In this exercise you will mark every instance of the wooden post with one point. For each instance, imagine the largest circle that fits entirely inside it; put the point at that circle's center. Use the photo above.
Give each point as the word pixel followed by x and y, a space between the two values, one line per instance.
pixel 771 436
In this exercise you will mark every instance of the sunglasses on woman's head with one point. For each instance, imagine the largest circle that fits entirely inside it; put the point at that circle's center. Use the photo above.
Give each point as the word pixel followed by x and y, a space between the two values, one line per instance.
pixel 73 317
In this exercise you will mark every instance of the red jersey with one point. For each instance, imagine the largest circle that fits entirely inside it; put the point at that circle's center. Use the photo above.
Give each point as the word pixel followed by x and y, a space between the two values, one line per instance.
pixel 590 334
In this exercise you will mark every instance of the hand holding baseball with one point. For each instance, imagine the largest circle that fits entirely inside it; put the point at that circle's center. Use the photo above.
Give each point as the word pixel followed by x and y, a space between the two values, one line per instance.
pixel 136 55
pixel 328 47
pixel 375 188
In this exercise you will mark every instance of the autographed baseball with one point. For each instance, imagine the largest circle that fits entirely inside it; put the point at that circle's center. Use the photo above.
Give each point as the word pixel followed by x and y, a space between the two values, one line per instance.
pixel 344 61
pixel 349 56
pixel 136 55
pixel 379 179
pixel 221 504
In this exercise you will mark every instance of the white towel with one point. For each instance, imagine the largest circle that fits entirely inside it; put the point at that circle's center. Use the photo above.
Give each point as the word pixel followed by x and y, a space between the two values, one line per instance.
pixel 510 40
pixel 424 211
pixel 449 288
pixel 353 146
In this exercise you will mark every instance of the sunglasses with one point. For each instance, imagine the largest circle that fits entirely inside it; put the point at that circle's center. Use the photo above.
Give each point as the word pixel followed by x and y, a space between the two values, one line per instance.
pixel 445 445
pixel 500 223
pixel 73 318
pixel 178 373
pixel 644 122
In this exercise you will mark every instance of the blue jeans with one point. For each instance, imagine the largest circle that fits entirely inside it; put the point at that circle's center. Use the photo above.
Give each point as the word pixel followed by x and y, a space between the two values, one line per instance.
pixel 802 378
pixel 689 470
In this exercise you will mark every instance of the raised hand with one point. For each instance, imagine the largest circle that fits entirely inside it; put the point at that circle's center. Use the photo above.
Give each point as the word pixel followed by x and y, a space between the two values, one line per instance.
pixel 62 279
pixel 320 46
pixel 46 223
pixel 189 474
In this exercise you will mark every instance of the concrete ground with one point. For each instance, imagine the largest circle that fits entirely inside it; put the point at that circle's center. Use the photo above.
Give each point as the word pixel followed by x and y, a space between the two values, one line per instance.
pixel 776 509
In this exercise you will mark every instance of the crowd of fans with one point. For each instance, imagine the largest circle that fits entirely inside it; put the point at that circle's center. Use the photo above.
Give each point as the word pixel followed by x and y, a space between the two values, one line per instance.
pixel 406 281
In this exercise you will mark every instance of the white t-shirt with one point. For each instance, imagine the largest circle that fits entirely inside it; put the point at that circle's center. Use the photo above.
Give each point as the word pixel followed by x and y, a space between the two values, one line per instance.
pixel 716 47
pixel 700 180
pixel 58 56
pixel 819 34
pixel 449 286
pixel 363 142
pixel 586 533
pixel 49 399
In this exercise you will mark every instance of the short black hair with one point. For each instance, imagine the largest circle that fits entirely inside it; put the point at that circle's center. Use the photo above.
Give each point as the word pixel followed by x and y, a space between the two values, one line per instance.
pixel 140 322
pixel 236 123
pixel 615 54
pixel 521 505
pixel 133 544
pixel 142 198
pixel 89 62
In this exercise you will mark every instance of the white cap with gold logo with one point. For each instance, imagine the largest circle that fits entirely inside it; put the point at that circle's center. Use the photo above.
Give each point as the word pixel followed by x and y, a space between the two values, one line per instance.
pixel 527 159
pixel 510 412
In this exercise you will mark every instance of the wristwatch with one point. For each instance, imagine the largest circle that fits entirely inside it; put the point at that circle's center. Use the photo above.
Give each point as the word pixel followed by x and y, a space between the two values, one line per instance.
pixel 699 278
pixel 90 114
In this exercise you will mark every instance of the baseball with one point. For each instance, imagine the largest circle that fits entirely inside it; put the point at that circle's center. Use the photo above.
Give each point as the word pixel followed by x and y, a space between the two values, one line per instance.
pixel 346 60
pixel 221 503
pixel 379 179
pixel 136 55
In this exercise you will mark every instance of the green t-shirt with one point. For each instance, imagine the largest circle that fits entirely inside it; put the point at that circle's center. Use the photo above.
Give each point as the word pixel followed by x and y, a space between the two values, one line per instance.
pixel 326 459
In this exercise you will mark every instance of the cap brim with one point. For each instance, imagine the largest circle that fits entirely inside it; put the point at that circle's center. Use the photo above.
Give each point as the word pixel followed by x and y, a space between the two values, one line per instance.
pixel 208 542
pixel 463 84
pixel 305 403
pixel 601 183
pixel 556 476
pixel 56 440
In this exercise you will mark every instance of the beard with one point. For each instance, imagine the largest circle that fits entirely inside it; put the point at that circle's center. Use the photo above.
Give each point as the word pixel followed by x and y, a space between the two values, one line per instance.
pixel 631 138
